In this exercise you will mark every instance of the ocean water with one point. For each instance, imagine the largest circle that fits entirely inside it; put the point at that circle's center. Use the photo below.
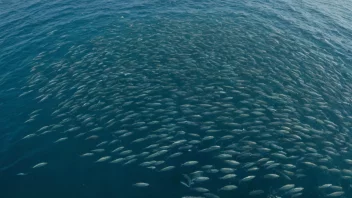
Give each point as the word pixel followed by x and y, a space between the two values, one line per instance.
pixel 272 74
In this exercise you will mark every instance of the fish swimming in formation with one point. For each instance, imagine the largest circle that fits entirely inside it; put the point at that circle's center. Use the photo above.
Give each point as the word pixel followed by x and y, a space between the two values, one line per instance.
pixel 192 101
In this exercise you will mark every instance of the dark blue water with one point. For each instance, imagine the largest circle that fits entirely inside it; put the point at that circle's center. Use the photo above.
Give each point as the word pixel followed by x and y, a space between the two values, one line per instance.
pixel 44 40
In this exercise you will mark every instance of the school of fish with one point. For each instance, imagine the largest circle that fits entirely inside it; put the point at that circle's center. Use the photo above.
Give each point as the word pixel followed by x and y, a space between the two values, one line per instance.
pixel 277 112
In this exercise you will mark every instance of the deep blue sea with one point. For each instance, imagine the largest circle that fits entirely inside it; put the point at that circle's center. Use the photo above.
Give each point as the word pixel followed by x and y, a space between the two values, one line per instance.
pixel 111 72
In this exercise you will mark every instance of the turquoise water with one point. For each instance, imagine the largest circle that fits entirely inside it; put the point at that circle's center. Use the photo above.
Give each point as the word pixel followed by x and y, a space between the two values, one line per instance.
pixel 88 70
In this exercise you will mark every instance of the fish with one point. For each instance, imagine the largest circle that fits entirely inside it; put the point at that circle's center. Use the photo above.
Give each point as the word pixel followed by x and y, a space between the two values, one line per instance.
pixel 190 163
pixel 296 195
pixel 118 149
pixel 200 190
pixel 200 179
pixel 118 160
pixel 232 162
pixel 256 192
pixel 29 136
pixel 271 176
pixel 141 184
pixel 174 155
pixel 187 185
pixel 39 165
pixel 228 188
pixel 335 194
pixel 103 159
pixel 227 170
pixel 210 195
pixel 348 161
pixel 22 174
pixel 228 176
pixel 189 181
pixel 60 140
pixel 294 190
pixel 247 178
pixel 168 168
pixel 87 154
pixel 287 187
pixel 156 154
pixel 325 186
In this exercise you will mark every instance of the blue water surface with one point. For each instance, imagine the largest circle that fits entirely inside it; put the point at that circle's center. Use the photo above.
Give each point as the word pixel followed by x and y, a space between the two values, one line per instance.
pixel 36 36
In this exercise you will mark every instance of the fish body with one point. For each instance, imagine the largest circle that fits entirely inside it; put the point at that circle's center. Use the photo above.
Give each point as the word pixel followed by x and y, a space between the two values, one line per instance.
pixel 39 165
